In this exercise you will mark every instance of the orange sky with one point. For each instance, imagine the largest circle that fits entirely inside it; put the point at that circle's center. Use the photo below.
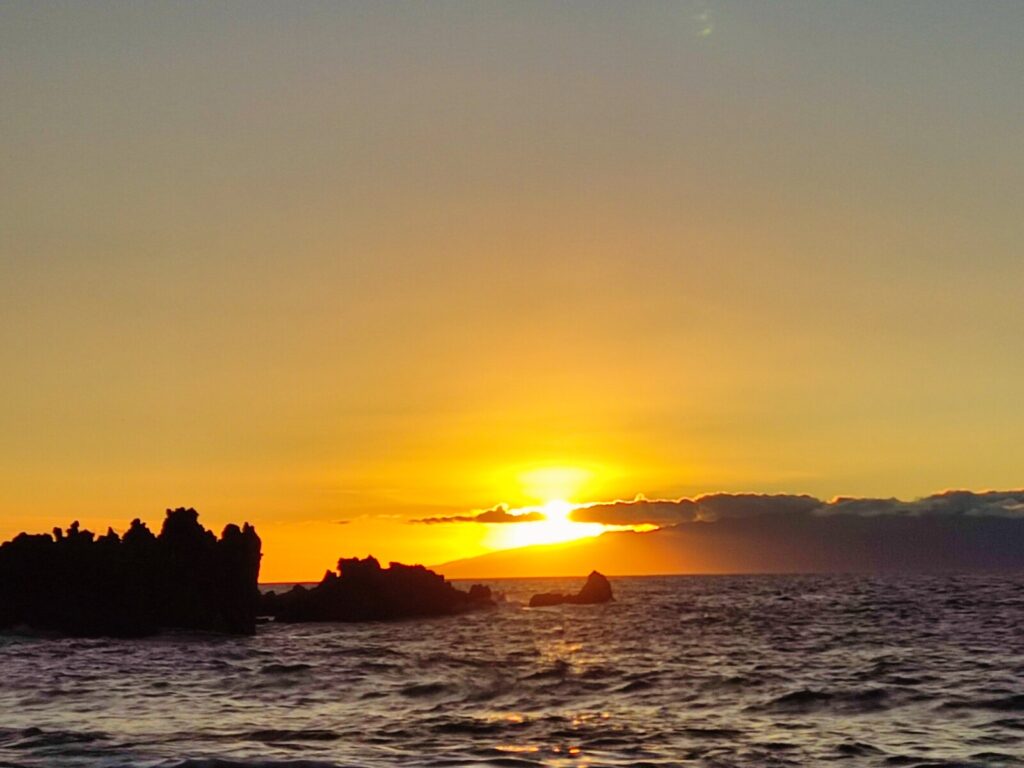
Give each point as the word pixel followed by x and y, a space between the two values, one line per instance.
pixel 369 263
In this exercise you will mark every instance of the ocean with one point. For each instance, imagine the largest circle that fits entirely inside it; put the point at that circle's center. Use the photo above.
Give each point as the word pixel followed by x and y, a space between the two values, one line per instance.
pixel 679 671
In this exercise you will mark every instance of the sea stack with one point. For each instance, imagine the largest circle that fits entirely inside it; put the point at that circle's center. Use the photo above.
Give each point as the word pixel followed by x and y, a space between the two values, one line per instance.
pixel 596 590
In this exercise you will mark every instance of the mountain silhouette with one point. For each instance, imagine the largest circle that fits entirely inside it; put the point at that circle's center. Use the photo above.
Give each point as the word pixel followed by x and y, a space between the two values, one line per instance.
pixel 779 542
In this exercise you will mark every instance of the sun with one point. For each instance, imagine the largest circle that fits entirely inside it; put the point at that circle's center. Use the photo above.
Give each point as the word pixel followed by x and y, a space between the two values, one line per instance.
pixel 556 527
pixel 557 511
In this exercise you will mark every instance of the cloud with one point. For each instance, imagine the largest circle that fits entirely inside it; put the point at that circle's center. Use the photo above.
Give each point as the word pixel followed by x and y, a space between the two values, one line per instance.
pixel 945 504
pixel 706 508
pixel 723 506
pixel 866 507
pixel 501 514
pixel 639 512
pixel 946 532
pixel 498 514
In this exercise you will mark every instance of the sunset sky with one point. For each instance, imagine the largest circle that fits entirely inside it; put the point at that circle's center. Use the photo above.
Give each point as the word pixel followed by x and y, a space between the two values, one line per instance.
pixel 332 268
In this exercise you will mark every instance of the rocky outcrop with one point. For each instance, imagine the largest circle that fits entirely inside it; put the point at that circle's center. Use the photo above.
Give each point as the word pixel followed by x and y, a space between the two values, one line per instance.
pixel 75 583
pixel 363 591
pixel 596 590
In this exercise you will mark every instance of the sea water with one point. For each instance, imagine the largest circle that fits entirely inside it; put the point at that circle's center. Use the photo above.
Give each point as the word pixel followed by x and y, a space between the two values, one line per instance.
pixel 696 671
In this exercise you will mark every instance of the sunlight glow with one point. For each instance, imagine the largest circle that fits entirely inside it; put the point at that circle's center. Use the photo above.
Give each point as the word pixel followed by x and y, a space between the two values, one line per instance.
pixel 554 483
pixel 554 529
pixel 557 511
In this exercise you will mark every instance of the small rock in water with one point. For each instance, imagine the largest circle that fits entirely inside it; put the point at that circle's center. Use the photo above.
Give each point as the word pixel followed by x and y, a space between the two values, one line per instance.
pixel 596 590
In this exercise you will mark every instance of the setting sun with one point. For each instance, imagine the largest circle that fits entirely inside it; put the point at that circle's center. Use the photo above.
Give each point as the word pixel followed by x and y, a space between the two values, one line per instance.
pixel 556 527
pixel 557 510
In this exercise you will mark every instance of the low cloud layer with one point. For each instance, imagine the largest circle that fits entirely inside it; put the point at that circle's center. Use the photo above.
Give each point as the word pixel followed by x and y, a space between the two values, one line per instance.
pixel 498 514
pixel 724 506
pixel 955 531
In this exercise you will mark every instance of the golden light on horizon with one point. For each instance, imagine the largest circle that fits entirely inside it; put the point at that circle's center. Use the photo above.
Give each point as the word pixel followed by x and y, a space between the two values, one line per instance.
pixel 555 528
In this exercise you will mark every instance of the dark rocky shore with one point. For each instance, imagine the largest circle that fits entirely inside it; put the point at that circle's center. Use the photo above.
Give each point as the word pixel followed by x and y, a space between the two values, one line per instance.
pixel 363 591
pixel 75 583
pixel 72 582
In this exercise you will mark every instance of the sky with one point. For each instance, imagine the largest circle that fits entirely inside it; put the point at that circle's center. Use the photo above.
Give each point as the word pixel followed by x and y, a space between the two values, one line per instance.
pixel 333 267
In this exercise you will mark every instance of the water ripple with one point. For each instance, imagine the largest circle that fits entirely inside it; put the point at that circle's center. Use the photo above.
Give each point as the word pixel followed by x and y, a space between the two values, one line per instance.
pixel 710 672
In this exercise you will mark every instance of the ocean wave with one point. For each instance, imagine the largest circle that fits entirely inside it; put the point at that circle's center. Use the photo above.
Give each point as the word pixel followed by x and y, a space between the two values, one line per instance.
pixel 276 735
pixel 807 700
pixel 419 690
pixel 223 762
pixel 285 669
pixel 35 738
pixel 852 671
pixel 1010 703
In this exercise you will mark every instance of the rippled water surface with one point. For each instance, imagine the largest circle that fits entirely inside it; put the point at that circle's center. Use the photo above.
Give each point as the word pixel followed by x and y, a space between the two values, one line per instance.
pixel 701 671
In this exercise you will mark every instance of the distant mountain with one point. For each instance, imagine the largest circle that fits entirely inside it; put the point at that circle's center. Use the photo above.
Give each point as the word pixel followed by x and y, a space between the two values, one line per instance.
pixel 610 553
pixel 786 542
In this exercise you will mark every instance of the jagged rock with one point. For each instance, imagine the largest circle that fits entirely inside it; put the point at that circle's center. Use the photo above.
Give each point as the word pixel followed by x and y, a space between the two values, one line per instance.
pixel 596 590
pixel 186 578
pixel 363 591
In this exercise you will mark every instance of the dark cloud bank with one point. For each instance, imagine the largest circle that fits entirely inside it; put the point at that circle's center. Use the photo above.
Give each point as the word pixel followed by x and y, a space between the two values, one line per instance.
pixel 751 533
pixel 721 506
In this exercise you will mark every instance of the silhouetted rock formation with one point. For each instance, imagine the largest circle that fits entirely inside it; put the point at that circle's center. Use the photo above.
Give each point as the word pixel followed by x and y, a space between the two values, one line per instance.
pixel 185 578
pixel 596 590
pixel 363 591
